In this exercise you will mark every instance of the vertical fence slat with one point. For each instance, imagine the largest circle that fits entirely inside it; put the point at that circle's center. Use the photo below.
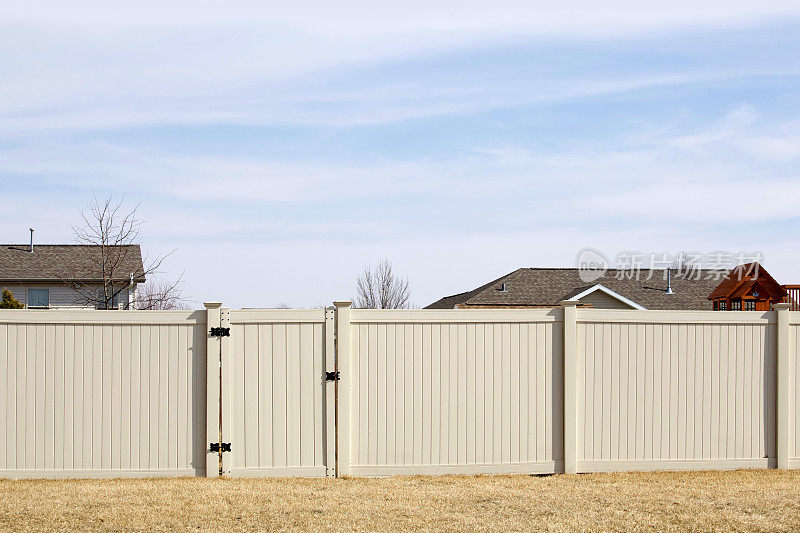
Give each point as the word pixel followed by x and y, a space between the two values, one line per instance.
pixel 4 393
pixel 182 397
pixel 307 394
pixel 524 394
pixel 265 424
pixel 12 393
pixel 417 392
pixel 514 393
pixel 391 392
pixel 252 401
pixel 426 363
pixel 136 397
pixel 316 383
pixel 279 387
pixel 436 391
pixel 330 392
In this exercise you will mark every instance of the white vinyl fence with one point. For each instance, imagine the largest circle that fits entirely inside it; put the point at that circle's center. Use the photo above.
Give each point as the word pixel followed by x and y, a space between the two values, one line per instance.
pixel 345 391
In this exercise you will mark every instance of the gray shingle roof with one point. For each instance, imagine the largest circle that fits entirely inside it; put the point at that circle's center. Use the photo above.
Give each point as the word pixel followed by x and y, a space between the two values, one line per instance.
pixel 57 262
pixel 549 286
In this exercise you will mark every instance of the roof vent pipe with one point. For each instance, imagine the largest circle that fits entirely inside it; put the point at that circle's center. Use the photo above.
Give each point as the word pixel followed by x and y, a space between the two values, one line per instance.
pixel 669 281
pixel 31 239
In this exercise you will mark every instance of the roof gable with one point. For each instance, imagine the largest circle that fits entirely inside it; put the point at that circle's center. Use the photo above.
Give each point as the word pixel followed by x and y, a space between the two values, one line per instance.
pixel 742 278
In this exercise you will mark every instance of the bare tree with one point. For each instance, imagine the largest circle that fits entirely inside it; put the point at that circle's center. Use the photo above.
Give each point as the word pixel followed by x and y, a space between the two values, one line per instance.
pixel 381 288
pixel 160 294
pixel 112 233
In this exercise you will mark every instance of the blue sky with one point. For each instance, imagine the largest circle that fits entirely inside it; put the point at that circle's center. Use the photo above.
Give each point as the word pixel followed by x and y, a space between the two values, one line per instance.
pixel 282 150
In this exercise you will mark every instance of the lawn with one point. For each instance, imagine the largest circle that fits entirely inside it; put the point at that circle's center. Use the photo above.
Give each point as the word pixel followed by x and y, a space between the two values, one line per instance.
pixel 767 500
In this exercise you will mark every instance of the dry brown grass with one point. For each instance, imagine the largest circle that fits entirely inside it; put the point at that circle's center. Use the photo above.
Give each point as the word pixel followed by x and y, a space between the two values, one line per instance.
pixel 704 501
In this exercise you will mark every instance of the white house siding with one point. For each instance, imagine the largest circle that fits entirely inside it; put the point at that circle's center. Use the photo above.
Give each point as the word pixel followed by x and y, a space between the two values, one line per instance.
pixel 61 296
pixel 601 300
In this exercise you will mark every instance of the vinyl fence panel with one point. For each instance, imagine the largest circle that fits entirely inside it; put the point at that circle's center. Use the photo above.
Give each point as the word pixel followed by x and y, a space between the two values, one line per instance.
pixel 673 390
pixel 455 392
pixel 102 393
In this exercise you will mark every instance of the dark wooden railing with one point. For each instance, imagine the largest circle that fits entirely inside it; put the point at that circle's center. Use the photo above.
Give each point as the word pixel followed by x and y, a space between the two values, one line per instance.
pixel 794 296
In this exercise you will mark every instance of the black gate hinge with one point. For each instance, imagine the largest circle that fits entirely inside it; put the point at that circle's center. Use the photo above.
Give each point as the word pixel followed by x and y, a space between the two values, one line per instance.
pixel 332 376
pixel 220 332
pixel 214 446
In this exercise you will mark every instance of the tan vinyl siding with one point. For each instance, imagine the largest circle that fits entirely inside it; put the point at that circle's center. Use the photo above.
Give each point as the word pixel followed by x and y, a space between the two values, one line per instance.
pixel 600 300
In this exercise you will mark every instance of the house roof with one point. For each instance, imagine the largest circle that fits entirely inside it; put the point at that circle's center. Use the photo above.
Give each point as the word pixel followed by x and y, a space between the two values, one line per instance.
pixel 62 262
pixel 739 281
pixel 549 286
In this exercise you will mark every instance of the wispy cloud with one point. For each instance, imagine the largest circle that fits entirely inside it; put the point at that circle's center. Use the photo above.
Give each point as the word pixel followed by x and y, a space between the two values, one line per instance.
pixel 299 143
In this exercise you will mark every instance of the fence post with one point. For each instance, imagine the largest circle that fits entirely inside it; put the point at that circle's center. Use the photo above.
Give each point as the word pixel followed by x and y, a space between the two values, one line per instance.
pixel 570 386
pixel 329 388
pixel 227 393
pixel 213 434
pixel 343 388
pixel 785 440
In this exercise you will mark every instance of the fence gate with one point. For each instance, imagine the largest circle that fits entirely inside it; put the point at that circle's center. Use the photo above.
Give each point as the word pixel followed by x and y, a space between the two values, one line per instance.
pixel 278 390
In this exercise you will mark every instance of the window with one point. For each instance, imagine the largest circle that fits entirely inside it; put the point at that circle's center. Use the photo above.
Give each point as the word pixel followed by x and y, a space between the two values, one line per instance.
pixel 107 305
pixel 749 305
pixel 722 305
pixel 736 305
pixel 38 298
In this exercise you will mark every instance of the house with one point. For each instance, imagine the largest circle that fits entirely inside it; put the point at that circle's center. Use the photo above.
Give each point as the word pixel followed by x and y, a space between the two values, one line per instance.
pixel 50 276
pixel 612 289
pixel 748 288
